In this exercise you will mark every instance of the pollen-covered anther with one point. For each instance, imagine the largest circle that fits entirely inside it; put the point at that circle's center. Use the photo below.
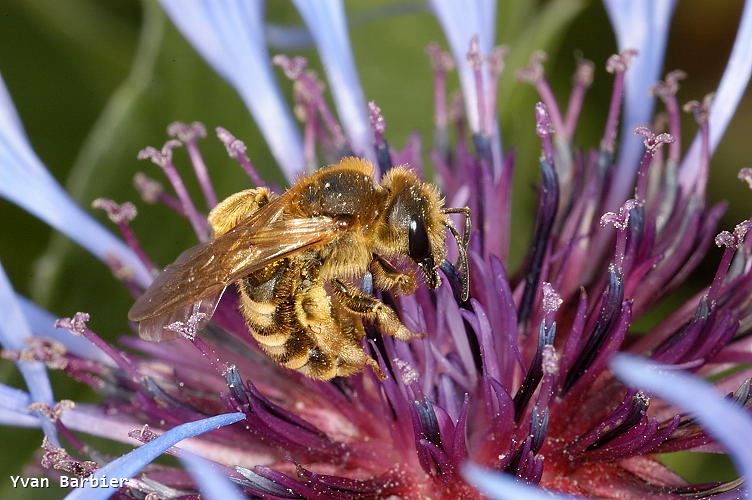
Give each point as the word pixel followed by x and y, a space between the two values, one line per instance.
pixel 496 59
pixel 407 373
pixel 619 63
pixel 161 157
pixel 745 175
pixel 144 434
pixel 55 412
pixel 148 188
pixel 543 125
pixel 233 145
pixel 378 124
pixel 43 350
pixel 186 132
pixel 700 110
pixel 652 142
pixel 474 56
pixel 736 239
pixel 76 325
pixel 534 70
pixel 551 298
pixel 583 75
pixel 119 213
pixel 440 59
pixel 550 362
pixel 188 329
pixel 621 220
pixel 670 85
pixel 292 67
pixel 58 459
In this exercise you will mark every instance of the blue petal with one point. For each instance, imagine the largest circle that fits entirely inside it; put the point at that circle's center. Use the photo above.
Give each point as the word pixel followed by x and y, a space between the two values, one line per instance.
pixel 726 99
pixel 42 324
pixel 327 23
pixel 497 485
pixel 131 463
pixel 229 34
pixel 25 182
pixel 641 25
pixel 13 334
pixel 13 399
pixel 14 405
pixel 212 484
pixel 726 422
pixel 460 22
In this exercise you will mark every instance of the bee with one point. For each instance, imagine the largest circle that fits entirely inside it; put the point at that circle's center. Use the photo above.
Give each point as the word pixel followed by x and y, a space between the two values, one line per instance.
pixel 295 257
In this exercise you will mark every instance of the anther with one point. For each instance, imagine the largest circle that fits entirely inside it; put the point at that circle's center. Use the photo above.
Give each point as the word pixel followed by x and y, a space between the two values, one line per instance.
pixel 619 63
pixel 236 149
pixel 186 132
pixel 670 85
pixel 117 213
pixel 652 142
pixel 551 299
pixel 745 175
pixel 621 220
pixel 76 324
pixel 700 110
pixel 149 189
pixel 533 73
pixel 440 59
pixel 161 158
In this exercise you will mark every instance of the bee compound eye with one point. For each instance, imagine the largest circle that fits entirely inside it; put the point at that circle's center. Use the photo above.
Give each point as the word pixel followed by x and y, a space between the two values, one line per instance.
pixel 419 247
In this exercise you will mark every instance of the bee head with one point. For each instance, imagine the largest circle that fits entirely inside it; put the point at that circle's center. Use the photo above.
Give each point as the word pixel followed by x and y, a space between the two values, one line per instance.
pixel 416 223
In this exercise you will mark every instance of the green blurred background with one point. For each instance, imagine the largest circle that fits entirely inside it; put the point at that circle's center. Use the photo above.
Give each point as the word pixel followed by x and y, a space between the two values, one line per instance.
pixel 94 81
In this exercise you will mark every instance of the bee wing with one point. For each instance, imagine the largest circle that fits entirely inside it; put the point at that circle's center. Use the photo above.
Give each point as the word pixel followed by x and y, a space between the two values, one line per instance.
pixel 194 283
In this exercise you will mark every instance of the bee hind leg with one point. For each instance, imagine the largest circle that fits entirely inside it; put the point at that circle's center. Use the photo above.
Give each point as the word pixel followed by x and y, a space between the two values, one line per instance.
pixel 357 302
pixel 320 365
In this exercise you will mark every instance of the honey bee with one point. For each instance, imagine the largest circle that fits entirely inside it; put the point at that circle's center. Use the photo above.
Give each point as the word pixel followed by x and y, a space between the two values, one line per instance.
pixel 294 258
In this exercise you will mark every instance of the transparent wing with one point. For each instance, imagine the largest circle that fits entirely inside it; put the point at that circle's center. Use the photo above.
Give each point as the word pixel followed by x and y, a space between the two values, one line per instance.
pixel 195 281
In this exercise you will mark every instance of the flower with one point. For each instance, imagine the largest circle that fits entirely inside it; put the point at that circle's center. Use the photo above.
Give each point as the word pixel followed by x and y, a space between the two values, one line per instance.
pixel 531 386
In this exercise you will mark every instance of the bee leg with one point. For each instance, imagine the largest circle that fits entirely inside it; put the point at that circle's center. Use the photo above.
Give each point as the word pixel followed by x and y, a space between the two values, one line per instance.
pixel 387 277
pixel 352 357
pixel 345 369
pixel 320 365
pixel 359 303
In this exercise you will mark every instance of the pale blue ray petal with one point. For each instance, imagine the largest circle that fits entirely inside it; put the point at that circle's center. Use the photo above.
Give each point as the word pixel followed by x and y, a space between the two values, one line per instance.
pixel 212 484
pixel 132 462
pixel 13 399
pixel 13 334
pixel 42 324
pixel 229 34
pixel 25 182
pixel 642 25
pixel 16 419
pixel 14 405
pixel 500 486
pixel 327 23
pixel 726 99
pixel 725 421
pixel 460 21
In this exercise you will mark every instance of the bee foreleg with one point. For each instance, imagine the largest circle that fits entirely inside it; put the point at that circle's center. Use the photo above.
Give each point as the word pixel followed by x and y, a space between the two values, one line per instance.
pixel 355 301
pixel 387 277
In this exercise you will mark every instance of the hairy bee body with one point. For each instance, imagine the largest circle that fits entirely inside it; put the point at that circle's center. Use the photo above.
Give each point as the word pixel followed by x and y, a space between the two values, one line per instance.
pixel 296 284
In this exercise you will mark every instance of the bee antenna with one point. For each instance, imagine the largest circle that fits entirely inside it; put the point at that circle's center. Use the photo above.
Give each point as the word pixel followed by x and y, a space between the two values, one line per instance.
pixel 466 230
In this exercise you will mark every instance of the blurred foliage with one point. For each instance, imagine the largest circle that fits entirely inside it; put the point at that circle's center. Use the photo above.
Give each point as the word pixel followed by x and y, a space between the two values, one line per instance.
pixel 94 82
